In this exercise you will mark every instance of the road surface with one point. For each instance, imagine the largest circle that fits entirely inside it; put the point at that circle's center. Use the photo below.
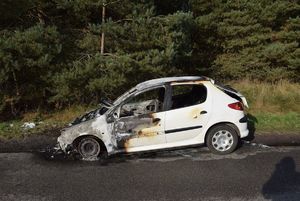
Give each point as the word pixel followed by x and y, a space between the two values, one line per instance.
pixel 253 172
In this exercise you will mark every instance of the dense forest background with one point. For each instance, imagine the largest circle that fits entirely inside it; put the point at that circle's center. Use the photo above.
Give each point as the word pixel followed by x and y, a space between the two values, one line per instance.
pixel 50 50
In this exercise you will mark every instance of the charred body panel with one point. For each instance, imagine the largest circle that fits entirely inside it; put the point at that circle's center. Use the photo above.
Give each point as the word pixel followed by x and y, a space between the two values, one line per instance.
pixel 97 127
pixel 129 130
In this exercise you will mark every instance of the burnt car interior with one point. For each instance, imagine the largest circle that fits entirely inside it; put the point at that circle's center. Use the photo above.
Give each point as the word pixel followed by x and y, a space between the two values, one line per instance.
pixel 188 95
pixel 144 103
pixel 152 101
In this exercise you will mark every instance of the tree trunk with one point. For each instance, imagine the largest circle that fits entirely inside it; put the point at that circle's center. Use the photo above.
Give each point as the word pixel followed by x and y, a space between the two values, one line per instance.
pixel 102 34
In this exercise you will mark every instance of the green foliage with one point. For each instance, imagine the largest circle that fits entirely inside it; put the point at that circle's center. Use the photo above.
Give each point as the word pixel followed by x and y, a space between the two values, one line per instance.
pixel 11 11
pixel 134 57
pixel 280 123
pixel 280 97
pixel 50 50
pixel 254 39
pixel 28 61
pixel 92 77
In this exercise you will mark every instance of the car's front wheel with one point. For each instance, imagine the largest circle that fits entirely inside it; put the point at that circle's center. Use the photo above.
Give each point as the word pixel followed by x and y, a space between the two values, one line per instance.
pixel 222 139
pixel 89 148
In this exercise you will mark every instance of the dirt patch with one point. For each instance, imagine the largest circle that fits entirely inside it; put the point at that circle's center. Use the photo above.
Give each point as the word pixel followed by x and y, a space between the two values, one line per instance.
pixel 33 142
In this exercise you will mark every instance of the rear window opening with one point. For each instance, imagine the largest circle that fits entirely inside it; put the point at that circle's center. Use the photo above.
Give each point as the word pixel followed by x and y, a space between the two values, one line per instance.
pixel 227 89
pixel 232 95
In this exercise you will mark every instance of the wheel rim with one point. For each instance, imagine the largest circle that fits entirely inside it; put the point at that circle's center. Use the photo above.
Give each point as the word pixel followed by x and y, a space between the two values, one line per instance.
pixel 222 140
pixel 89 148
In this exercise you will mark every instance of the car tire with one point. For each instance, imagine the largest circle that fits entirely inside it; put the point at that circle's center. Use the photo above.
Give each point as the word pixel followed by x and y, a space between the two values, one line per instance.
pixel 222 139
pixel 90 149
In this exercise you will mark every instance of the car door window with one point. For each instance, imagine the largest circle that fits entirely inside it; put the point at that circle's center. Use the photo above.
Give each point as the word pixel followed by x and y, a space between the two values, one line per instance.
pixel 187 95
pixel 147 102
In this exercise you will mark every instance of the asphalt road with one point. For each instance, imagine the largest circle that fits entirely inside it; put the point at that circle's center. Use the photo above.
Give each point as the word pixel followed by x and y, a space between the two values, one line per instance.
pixel 251 173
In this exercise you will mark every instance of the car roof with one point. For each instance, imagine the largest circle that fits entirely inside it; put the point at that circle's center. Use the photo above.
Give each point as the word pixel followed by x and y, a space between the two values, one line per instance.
pixel 161 81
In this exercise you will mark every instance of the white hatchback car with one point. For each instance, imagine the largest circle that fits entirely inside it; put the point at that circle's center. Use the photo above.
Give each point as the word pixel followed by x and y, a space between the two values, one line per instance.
pixel 161 113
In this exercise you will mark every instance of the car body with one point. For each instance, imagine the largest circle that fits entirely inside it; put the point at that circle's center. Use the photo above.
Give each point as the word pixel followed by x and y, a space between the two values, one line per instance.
pixel 161 113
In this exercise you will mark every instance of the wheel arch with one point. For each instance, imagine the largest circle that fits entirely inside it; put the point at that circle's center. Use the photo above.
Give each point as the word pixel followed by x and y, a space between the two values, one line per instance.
pixel 77 140
pixel 222 123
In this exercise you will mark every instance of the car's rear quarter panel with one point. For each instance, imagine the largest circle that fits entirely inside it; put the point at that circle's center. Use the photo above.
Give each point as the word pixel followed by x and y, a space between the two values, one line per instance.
pixel 221 113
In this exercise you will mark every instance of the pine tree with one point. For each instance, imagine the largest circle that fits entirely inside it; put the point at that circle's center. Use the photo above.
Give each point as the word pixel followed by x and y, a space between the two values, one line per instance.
pixel 28 61
pixel 254 39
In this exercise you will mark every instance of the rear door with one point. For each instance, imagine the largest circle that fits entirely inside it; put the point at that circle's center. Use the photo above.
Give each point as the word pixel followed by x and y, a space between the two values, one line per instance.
pixel 189 112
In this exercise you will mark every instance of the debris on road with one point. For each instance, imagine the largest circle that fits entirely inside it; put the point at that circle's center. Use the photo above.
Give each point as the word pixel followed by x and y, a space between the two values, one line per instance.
pixel 256 144
pixel 52 152
pixel 28 125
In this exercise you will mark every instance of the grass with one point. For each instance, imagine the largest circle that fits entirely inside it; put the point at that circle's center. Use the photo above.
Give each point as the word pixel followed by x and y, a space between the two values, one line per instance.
pixel 273 107
pixel 43 121
pixel 277 123
pixel 280 98
pixel 276 107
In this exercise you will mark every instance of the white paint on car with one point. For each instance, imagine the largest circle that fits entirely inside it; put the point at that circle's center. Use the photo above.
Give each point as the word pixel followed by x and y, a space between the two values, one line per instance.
pixel 157 123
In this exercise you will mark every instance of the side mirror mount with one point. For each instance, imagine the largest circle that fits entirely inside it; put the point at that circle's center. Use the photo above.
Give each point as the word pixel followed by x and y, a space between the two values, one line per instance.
pixel 112 117
pixel 115 115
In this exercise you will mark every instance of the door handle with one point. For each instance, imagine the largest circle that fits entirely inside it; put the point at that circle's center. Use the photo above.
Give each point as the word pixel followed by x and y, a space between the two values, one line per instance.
pixel 203 112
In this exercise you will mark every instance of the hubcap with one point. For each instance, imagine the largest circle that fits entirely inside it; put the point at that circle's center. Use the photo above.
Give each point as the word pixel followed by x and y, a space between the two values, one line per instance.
pixel 222 140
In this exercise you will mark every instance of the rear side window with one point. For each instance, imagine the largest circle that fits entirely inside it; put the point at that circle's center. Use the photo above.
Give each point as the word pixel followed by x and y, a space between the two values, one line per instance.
pixel 187 95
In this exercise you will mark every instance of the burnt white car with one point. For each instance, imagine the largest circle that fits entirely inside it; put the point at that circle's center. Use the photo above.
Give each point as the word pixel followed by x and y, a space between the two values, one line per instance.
pixel 161 113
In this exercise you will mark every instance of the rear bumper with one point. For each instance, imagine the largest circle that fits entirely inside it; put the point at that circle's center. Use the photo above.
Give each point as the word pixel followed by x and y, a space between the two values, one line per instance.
pixel 244 119
pixel 244 133
pixel 243 129
pixel 242 125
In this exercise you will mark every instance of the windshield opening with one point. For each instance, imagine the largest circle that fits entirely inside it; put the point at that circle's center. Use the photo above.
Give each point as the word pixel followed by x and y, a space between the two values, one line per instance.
pixel 90 115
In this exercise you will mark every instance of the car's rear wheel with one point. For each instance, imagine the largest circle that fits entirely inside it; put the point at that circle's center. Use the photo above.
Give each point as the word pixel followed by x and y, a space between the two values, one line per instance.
pixel 89 148
pixel 222 139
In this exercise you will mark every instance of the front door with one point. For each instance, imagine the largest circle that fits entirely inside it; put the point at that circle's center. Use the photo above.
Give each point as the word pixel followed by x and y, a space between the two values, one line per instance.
pixel 188 113
pixel 141 120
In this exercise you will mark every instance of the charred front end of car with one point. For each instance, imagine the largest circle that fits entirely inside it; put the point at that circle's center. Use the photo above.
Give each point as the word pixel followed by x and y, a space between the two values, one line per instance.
pixel 89 135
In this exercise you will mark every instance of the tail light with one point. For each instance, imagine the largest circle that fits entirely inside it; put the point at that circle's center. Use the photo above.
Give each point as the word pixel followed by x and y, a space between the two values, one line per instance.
pixel 236 106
